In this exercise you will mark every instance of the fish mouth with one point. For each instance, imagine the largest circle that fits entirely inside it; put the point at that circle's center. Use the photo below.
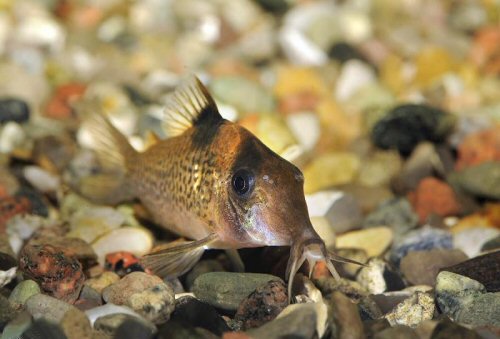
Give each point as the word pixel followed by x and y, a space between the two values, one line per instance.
pixel 312 250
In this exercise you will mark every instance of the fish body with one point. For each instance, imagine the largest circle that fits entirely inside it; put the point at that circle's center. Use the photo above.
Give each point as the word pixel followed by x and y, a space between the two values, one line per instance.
pixel 213 182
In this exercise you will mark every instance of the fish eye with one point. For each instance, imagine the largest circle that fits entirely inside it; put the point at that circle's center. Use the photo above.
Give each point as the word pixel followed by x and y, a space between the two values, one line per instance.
pixel 243 181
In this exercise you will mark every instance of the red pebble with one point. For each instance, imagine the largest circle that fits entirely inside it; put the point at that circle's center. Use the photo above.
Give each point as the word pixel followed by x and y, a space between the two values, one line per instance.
pixel 479 147
pixel 59 275
pixel 433 196
pixel 59 106
pixel 11 206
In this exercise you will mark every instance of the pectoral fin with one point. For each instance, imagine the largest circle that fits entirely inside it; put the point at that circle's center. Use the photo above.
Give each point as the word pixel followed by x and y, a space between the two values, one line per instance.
pixel 176 260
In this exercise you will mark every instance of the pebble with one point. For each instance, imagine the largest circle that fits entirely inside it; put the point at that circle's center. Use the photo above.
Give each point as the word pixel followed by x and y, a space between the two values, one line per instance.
pixel 226 290
pixel 492 244
pixel 7 312
pixel 108 309
pixel 58 274
pixel 425 238
pixel 374 241
pixel 7 276
pixel 44 328
pixel 300 323
pixel 89 223
pixel 395 213
pixel 466 301
pixel 472 239
pixel 345 319
pixel 262 305
pixel 422 267
pixel 484 269
pixel 76 325
pixel 481 180
pixel 120 291
pixel 101 282
pixel 22 292
pixel 354 75
pixel 333 212
pixel 136 240
pixel 330 170
pixel 379 168
pixel 407 125
pixel 154 304
pixel 179 330
pixel 479 147
pixel 192 311
pixel 17 326
pixel 396 332
pixel 447 329
pixel 44 306
pixel 434 197
pixel 15 110
pixel 412 311
pixel 306 128
pixel 109 324
pixel 201 267
pixel 41 179
pixel 372 277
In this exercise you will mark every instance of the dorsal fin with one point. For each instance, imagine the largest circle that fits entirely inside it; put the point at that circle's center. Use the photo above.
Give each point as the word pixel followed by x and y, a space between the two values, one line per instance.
pixel 189 105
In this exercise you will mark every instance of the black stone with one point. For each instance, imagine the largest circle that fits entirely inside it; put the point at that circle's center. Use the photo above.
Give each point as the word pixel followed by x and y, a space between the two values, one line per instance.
pixel 342 51
pixel 12 109
pixel 274 6
pixel 180 330
pixel 407 125
pixel 38 205
pixel 43 329
pixel 192 311
pixel 485 269
pixel 133 329
pixel 448 329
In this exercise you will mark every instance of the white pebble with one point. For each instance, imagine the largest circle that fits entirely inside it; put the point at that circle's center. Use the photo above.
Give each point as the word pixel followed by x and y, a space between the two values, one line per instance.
pixel 41 179
pixel 136 240
pixel 11 136
pixel 306 128
pixel 471 240
pixel 354 75
pixel 108 309
pixel 7 276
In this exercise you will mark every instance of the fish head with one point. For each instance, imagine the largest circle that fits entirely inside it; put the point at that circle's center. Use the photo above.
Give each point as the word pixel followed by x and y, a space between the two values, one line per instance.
pixel 261 195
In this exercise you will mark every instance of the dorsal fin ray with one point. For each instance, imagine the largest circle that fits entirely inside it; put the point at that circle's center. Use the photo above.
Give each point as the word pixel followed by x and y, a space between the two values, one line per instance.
pixel 189 105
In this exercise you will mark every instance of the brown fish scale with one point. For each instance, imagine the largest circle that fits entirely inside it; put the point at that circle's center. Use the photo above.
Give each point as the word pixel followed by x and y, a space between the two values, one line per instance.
pixel 175 177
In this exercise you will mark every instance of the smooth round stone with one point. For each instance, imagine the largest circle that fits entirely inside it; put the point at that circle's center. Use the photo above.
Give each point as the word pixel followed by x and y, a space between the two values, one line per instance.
pixel 374 241
pixel 305 127
pixel 426 238
pixel 12 135
pixel 407 125
pixel 89 223
pixel 119 292
pixel 7 312
pixel 44 306
pixel 332 212
pixel 298 321
pixel 226 290
pixel 23 291
pixel 76 325
pixel 101 282
pixel 379 168
pixel 354 75
pixel 330 170
pixel 108 309
pixel 16 327
pixel 13 110
pixel 422 267
pixel 136 240
pixel 244 94
pixel 465 300
pixel 192 311
pixel 110 323
pixel 7 276
pixel 412 311
pixel 41 179
pixel 203 266
pixel 472 239
pixel 396 213
pixel 344 315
